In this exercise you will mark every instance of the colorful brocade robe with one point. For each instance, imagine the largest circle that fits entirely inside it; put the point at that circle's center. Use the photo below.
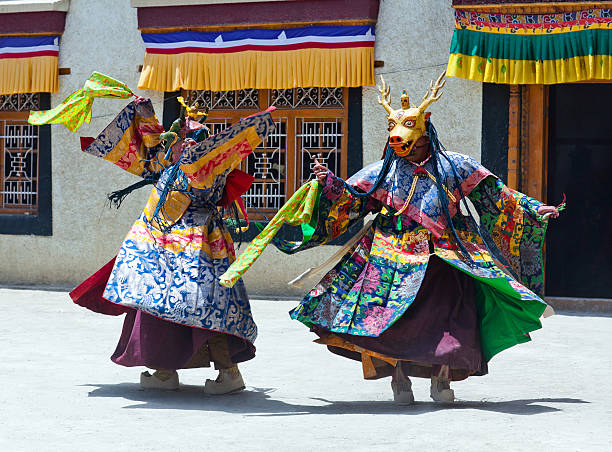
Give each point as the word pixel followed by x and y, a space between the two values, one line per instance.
pixel 376 281
pixel 174 275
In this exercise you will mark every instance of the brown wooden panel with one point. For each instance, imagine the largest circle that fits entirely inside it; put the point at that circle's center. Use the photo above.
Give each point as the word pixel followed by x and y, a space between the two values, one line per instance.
pixel 535 141
pixel 514 136
pixel 293 156
pixel 32 23
pixel 528 139
pixel 15 115
pixel 295 12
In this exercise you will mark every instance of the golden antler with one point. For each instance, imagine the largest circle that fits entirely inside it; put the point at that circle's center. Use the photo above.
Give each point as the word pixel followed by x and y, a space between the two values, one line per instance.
pixel 193 111
pixel 386 95
pixel 432 93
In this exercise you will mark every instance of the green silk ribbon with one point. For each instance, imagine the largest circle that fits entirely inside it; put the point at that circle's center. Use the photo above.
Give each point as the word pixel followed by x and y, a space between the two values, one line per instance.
pixel 299 210
pixel 76 109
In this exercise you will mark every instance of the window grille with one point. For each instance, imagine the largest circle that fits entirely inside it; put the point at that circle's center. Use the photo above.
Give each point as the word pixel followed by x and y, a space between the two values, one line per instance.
pixel 19 102
pixel 307 98
pixel 318 139
pixel 311 123
pixel 18 155
pixel 225 100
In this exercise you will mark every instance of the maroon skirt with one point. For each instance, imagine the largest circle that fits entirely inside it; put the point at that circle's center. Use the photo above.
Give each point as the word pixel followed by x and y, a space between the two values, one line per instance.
pixel 440 327
pixel 158 344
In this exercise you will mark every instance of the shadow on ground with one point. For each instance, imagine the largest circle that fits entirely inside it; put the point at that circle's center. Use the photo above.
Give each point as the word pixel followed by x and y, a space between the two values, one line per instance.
pixel 259 402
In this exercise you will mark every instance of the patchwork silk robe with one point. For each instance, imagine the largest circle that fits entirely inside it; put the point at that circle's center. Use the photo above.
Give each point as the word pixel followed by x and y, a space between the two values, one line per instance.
pixel 173 273
pixel 377 280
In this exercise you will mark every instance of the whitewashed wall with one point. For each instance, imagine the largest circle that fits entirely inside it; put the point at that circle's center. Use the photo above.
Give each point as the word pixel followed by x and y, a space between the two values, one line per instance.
pixel 99 36
pixel 412 38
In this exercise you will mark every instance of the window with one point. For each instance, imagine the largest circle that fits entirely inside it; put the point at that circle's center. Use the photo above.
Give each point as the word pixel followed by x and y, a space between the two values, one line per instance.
pixel 18 154
pixel 25 165
pixel 311 123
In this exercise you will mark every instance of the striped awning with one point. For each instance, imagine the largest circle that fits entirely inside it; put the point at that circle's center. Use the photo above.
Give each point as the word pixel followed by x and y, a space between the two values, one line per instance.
pixel 29 45
pixel 546 48
pixel 28 64
pixel 265 45
pixel 324 56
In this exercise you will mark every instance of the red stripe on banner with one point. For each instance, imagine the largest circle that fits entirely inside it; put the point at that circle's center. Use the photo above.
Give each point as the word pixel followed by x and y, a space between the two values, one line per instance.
pixel 306 45
pixel 29 54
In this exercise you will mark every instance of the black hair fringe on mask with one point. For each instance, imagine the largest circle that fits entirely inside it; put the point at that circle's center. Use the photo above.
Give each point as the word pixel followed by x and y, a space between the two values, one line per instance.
pixel 484 235
pixel 441 177
pixel 487 240
pixel 116 198
pixel 389 157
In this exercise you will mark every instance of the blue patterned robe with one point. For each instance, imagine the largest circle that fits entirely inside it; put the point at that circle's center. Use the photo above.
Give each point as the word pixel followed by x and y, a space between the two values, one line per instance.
pixel 174 274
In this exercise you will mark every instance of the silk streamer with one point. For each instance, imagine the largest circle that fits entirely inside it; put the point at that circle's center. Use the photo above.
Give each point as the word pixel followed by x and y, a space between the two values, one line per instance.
pixel 298 210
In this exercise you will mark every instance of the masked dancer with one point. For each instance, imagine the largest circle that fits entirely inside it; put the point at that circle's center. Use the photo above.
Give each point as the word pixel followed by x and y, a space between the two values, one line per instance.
pixel 447 274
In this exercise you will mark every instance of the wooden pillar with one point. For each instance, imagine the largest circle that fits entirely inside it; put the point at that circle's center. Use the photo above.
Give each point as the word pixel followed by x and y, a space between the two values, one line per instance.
pixel 534 146
pixel 514 137
pixel 528 139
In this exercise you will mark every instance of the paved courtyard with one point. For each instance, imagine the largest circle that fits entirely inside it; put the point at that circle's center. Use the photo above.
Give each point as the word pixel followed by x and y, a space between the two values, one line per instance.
pixel 60 392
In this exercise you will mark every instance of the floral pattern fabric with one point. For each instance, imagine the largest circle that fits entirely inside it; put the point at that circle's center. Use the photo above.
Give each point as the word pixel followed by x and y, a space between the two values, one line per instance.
pixel 378 279
pixel 511 219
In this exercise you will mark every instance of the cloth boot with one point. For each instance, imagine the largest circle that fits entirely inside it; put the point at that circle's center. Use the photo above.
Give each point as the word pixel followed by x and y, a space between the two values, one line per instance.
pixel 402 387
pixel 160 379
pixel 228 381
pixel 440 390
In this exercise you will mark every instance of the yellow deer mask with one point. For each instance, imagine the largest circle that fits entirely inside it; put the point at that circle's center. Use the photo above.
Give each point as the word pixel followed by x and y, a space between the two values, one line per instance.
pixel 407 124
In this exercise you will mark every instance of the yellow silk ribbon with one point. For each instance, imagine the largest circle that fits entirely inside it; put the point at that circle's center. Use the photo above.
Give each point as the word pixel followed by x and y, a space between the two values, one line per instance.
pixel 76 109
pixel 298 210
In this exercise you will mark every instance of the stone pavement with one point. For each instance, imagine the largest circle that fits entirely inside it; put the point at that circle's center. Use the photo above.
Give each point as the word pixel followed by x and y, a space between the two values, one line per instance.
pixel 60 392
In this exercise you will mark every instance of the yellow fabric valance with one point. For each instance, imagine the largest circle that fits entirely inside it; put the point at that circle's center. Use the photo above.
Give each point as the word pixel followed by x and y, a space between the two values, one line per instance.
pixel 281 58
pixel 532 49
pixel 29 75
pixel 345 67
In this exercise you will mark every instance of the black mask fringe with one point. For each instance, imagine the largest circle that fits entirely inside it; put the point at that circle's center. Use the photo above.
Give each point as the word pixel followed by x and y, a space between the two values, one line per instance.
pixel 389 157
pixel 116 198
pixel 439 173
pixel 437 150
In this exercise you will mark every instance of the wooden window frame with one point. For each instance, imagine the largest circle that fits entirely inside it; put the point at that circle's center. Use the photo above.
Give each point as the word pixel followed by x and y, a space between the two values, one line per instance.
pixel 17 221
pixel 17 118
pixel 292 163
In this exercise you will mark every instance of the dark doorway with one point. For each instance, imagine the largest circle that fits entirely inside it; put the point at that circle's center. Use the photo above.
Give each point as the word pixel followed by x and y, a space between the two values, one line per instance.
pixel 579 244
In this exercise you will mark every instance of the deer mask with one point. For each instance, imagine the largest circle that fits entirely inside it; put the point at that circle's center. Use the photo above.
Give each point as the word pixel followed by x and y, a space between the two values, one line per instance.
pixel 407 124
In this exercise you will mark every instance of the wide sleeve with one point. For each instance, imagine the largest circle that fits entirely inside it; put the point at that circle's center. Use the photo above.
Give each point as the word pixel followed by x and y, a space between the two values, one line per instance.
pixel 337 211
pixel 323 214
pixel 219 154
pixel 131 141
pixel 511 220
